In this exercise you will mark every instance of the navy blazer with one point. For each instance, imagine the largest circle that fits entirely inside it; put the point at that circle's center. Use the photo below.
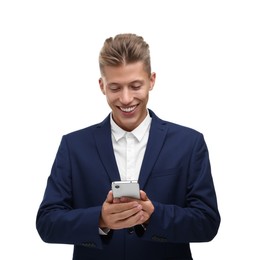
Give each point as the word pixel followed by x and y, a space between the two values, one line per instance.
pixel 175 174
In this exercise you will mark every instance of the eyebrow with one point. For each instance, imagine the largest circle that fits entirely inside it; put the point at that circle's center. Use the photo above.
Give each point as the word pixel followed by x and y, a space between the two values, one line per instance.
pixel 132 82
pixel 137 81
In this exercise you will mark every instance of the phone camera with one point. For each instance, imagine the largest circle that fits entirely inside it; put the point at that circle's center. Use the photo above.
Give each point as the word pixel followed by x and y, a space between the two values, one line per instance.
pixel 117 186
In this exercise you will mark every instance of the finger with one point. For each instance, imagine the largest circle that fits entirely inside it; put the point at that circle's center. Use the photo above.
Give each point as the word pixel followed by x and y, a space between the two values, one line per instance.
pixel 122 215
pixel 126 199
pixel 116 200
pixel 143 195
pixel 131 221
pixel 121 207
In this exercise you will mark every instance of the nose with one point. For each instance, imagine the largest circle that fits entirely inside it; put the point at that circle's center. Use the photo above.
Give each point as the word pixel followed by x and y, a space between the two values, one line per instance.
pixel 126 96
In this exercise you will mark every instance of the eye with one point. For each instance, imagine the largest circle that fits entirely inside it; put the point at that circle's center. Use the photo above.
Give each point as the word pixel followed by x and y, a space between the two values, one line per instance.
pixel 136 86
pixel 114 87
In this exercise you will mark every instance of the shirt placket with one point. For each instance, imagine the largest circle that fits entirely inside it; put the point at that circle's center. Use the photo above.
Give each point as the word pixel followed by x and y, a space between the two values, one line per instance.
pixel 130 157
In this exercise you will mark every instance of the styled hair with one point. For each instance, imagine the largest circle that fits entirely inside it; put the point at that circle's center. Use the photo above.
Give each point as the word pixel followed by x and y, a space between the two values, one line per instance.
pixel 124 49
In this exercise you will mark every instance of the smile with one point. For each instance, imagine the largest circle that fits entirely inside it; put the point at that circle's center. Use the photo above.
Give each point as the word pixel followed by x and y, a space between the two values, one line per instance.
pixel 128 109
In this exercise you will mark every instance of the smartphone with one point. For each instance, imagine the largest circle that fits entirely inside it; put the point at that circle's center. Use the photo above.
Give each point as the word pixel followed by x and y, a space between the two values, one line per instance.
pixel 126 189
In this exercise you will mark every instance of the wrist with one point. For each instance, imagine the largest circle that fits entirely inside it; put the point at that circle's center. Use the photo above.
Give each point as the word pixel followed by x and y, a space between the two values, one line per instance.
pixel 102 224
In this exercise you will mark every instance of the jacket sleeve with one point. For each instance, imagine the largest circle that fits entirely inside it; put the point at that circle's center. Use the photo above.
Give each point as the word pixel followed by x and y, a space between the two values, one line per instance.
pixel 57 220
pixel 199 219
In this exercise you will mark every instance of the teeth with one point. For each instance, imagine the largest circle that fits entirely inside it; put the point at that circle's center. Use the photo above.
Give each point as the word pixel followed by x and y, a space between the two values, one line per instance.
pixel 128 109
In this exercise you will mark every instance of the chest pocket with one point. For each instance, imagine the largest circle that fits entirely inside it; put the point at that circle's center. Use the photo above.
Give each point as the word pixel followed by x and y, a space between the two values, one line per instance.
pixel 165 172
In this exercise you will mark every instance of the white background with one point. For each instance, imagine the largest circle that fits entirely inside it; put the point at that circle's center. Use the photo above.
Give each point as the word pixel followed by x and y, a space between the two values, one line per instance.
pixel 203 53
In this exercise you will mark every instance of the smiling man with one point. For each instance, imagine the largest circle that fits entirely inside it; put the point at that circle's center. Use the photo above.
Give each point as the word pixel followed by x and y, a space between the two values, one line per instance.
pixel 127 90
pixel 177 203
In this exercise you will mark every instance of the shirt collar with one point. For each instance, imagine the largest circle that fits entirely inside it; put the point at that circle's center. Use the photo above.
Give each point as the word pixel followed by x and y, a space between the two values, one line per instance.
pixel 138 132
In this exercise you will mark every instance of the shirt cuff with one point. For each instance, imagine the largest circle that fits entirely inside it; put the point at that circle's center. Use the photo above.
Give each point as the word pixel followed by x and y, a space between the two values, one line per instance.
pixel 104 231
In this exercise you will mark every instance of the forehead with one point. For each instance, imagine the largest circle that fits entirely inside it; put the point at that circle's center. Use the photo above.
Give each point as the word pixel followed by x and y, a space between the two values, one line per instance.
pixel 125 73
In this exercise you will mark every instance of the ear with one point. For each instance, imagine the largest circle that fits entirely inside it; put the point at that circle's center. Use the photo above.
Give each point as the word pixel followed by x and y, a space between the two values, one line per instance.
pixel 101 85
pixel 152 80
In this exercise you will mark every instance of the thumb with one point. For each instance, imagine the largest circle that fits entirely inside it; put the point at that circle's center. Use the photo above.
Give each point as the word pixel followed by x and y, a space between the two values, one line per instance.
pixel 143 195
pixel 110 198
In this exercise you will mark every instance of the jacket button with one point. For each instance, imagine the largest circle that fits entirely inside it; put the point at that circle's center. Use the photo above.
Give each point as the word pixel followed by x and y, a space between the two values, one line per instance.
pixel 160 239
pixel 131 230
pixel 88 244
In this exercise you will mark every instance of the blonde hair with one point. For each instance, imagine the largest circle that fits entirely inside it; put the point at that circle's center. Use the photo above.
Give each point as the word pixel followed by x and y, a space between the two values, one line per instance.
pixel 124 49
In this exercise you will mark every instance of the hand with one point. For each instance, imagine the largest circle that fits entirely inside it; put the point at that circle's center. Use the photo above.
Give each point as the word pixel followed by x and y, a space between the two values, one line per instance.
pixel 147 205
pixel 118 215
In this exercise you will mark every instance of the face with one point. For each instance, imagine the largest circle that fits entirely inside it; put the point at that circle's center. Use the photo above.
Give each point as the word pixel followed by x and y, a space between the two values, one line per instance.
pixel 127 91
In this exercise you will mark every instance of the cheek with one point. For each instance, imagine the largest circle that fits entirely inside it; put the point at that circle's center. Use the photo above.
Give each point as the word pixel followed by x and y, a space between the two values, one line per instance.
pixel 143 96
pixel 110 99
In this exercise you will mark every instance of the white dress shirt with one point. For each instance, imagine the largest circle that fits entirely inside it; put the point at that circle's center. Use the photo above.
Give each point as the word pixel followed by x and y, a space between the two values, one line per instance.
pixel 129 148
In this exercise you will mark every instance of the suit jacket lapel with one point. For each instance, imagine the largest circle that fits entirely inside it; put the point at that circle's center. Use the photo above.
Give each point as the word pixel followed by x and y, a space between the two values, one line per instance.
pixel 105 149
pixel 155 142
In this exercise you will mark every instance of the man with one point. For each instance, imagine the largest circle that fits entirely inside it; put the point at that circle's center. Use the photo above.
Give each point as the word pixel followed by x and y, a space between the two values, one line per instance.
pixel 177 202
